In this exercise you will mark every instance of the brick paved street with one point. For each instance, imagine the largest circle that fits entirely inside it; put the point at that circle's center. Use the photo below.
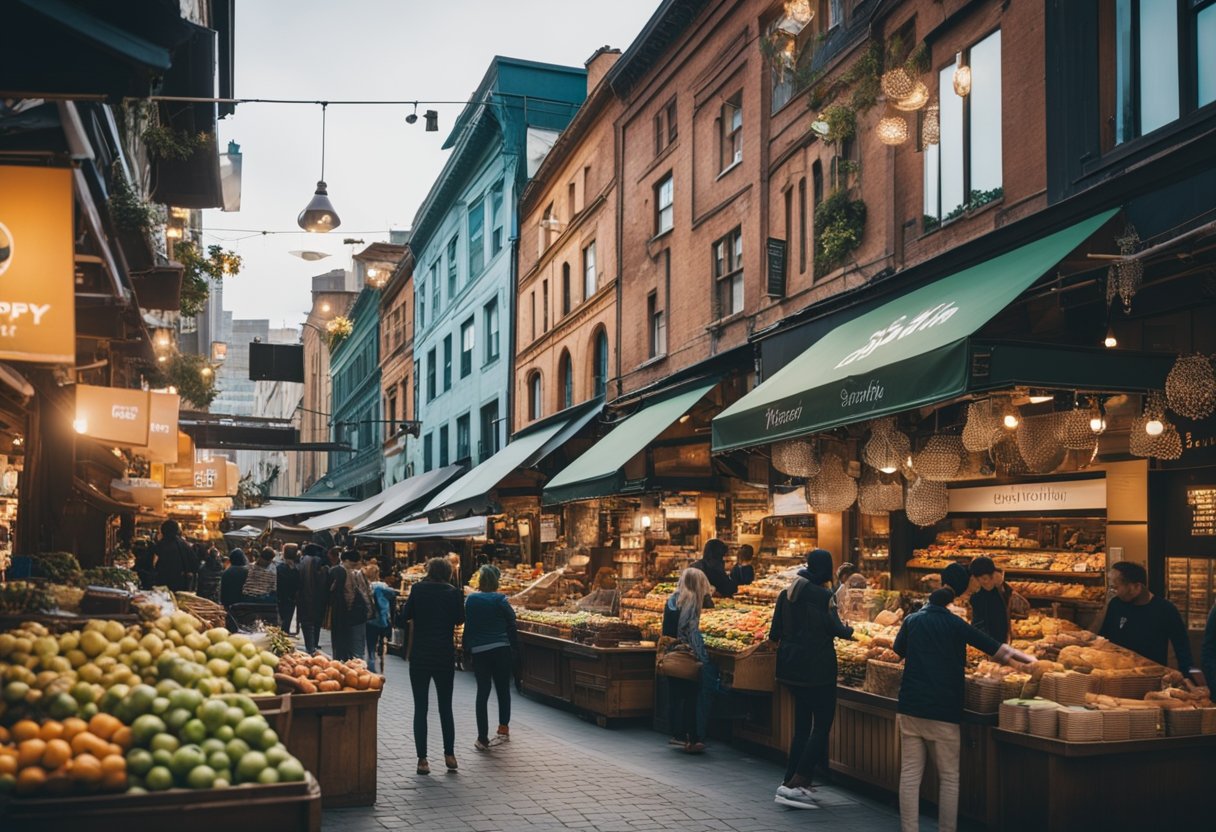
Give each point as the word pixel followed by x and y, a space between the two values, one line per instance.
pixel 561 772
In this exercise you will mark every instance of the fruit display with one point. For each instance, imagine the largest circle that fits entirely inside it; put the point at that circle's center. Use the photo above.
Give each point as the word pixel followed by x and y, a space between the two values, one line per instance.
pixel 765 589
pixel 318 673
pixel 734 628
pixel 57 567
pixel 68 757
pixel 114 577
pixel 510 581
pixel 651 597
pixel 205 610
pixel 18 597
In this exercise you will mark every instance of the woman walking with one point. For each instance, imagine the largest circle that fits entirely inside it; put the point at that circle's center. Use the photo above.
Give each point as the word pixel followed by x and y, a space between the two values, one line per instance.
pixel 383 596
pixel 433 610
pixel 805 624
pixel 682 621
pixel 312 597
pixel 209 575
pixel 350 600
pixel 489 634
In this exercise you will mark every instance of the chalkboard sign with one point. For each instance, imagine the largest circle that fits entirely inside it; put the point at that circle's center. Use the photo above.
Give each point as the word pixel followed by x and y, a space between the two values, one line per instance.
pixel 776 267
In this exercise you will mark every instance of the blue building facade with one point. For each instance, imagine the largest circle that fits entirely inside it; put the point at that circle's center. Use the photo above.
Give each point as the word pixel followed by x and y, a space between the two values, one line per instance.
pixel 355 403
pixel 463 239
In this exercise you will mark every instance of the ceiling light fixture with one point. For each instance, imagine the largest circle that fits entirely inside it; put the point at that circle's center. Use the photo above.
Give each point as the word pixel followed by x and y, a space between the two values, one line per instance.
pixel 319 215
pixel 1110 341
pixel 1154 427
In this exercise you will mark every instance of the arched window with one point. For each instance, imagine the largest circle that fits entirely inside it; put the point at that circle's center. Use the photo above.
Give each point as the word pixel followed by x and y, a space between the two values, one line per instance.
pixel 565 289
pixel 599 367
pixel 565 380
pixel 534 396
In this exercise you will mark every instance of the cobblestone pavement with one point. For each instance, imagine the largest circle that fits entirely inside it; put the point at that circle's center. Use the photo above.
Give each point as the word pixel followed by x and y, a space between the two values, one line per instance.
pixel 562 772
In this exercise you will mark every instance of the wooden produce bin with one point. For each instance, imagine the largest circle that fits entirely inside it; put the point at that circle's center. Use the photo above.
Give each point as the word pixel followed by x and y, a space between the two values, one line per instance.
pixel 282 807
pixel 542 668
pixel 611 682
pixel 277 710
pixel 334 736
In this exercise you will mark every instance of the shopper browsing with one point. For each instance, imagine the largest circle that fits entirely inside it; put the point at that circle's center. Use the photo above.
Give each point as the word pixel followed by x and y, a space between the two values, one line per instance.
pixel 350 604
pixel 805 626
pixel 232 581
pixel 933 641
pixel 174 558
pixel 313 595
pixel 490 635
pixel 433 610
pixel 1145 623
pixel 682 621
pixel 287 585
pixel 743 573
pixel 383 596
pixel 990 601
pixel 263 579
pixel 209 575
pixel 713 564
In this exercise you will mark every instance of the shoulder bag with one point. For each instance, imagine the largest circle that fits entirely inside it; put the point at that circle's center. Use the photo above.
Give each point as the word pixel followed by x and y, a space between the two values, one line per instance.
pixel 676 660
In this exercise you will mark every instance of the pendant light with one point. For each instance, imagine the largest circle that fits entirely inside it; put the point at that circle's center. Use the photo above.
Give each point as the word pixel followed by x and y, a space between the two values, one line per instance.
pixel 962 77
pixel 319 215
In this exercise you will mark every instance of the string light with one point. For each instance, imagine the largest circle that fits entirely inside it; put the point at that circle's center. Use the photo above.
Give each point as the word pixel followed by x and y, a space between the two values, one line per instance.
pixel 962 77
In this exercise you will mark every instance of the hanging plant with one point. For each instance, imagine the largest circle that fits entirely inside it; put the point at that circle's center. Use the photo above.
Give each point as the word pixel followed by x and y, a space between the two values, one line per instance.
pixel 129 210
pixel 338 330
pixel 201 268
pixel 841 121
pixel 189 373
pixel 840 222
pixel 163 142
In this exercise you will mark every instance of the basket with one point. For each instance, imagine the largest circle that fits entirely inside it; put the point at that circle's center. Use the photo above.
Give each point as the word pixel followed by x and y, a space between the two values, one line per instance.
pixel 1014 716
pixel 1011 688
pixel 1080 725
pixel 1183 722
pixel 982 695
pixel 1129 686
pixel 1044 719
pixel 1067 688
pixel 755 670
pixel 883 678
pixel 1144 723
pixel 1116 725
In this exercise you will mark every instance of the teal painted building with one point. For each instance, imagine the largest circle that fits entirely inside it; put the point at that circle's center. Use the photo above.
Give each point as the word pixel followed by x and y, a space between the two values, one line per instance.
pixel 355 404
pixel 463 239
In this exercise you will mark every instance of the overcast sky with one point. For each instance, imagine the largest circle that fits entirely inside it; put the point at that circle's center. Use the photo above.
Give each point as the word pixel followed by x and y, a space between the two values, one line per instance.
pixel 378 168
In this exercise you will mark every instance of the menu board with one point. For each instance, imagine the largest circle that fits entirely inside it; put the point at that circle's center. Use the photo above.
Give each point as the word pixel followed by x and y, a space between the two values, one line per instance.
pixel 1202 502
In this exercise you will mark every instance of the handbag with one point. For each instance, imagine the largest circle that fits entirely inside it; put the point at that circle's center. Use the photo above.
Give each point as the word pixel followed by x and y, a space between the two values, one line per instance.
pixel 676 660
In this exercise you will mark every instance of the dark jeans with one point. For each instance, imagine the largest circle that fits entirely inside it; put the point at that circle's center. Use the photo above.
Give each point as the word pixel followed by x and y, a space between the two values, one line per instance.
pixel 814 711
pixel 375 640
pixel 312 635
pixel 349 641
pixel 683 695
pixel 444 676
pixel 286 610
pixel 495 666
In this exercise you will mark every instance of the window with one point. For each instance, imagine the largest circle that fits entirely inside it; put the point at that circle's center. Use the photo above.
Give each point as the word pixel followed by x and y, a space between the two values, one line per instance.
pixel 964 167
pixel 447 363
pixel 728 273
pixel 589 282
pixel 535 401
pixel 566 289
pixel 548 228
pixel 489 431
pixel 453 268
pixel 658 326
pixel 477 238
pixel 462 438
pixel 664 212
pixel 431 371
pixel 466 348
pixel 571 205
pixel 544 313
pixel 565 381
pixel 416 384
pixel 435 296
pixel 532 303
pixel 599 369
pixel 817 182
pixel 801 226
pixel 665 127
pixel 586 183
pixel 496 220
pixel 443 446
pixel 730 141
pixel 390 424
pixel 428 452
pixel 420 304
pixel 489 316
pixel 789 220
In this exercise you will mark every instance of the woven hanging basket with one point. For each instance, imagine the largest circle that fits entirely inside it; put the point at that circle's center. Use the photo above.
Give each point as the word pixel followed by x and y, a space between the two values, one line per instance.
pixel 1040 442
pixel 1076 434
pixel 982 428
pixel 880 493
pixel 898 83
pixel 887 450
pixel 796 457
pixel 940 459
pixel 1190 388
pixel 927 502
pixel 832 489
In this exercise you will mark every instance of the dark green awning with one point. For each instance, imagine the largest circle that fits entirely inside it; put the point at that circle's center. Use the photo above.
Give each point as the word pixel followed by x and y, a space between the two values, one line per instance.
pixel 909 352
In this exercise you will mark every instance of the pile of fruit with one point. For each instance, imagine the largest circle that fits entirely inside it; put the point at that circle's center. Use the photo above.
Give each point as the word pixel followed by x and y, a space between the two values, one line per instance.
pixel 18 597
pixel 735 628
pixel 58 758
pixel 318 673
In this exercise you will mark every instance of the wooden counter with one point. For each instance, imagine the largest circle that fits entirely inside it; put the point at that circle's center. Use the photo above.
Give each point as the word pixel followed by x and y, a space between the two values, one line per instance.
pixel 609 682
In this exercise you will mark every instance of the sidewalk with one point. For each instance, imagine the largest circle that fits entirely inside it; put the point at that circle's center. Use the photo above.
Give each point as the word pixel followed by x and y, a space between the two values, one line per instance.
pixel 561 772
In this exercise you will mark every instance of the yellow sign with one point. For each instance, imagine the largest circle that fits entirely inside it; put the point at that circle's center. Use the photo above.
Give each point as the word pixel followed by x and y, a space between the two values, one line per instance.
pixel 162 430
pixel 113 414
pixel 37 268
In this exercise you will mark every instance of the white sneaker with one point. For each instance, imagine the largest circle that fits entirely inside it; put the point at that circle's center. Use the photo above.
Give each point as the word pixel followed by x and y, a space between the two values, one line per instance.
pixel 796 797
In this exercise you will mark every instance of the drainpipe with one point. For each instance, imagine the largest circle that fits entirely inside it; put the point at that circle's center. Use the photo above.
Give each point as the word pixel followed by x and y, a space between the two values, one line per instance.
pixel 510 414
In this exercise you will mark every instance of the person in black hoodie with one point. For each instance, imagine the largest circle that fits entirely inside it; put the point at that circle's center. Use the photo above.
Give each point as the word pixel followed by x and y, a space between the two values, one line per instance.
pixel 989 602
pixel 174 558
pixel 312 596
pixel 805 625
pixel 434 608
pixel 232 582
pixel 743 572
pixel 713 564
pixel 209 575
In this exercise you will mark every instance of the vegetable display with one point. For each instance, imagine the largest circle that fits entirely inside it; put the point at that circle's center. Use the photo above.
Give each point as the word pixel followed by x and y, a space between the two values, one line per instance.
pixel 302 673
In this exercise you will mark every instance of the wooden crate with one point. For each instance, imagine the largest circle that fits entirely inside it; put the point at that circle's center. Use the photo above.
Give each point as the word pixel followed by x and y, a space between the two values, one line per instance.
pixel 277 710
pixel 282 807
pixel 334 736
pixel 754 670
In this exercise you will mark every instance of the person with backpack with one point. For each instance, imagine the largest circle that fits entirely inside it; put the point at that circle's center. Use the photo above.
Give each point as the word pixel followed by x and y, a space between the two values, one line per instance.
pixel 350 602
pixel 174 558
pixel 378 628
pixel 805 626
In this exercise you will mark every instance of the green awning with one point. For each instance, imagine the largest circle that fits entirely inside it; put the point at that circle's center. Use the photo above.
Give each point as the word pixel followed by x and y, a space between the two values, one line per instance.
pixel 598 472
pixel 910 352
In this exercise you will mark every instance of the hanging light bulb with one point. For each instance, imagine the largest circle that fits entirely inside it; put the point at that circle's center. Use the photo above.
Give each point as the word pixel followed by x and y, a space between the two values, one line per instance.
pixel 892 130
pixel 1154 427
pixel 962 77
pixel 319 215
pixel 1096 423
pixel 1110 341
pixel 80 425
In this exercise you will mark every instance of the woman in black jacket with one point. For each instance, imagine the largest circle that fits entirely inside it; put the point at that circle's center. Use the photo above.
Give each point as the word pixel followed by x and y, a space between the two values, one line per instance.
pixel 805 625
pixel 232 581
pixel 209 575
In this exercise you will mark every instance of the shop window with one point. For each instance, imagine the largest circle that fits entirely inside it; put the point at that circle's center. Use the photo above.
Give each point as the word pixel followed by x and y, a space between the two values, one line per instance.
pixel 728 273
pixel 462 438
pixel 665 127
pixel 489 316
pixel 589 279
pixel 431 372
pixel 565 380
pixel 658 326
pixel 565 289
pixel 488 445
pixel 447 363
pixel 428 452
pixel 664 202
pixel 599 372
pixel 443 446
pixel 730 139
pixel 496 220
pixel 963 170
pixel 477 238
pixel 535 400
pixel 466 348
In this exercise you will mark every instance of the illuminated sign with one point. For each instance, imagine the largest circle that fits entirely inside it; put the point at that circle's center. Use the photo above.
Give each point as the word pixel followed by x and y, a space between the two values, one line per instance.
pixel 113 414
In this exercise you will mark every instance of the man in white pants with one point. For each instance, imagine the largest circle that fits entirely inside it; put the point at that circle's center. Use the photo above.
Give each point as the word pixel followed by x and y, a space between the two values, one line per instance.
pixel 933 642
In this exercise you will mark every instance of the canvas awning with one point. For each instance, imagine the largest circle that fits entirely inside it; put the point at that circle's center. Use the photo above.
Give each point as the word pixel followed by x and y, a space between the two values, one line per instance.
pixel 913 351
pixel 462 529
pixel 600 471
pixel 276 509
pixel 398 498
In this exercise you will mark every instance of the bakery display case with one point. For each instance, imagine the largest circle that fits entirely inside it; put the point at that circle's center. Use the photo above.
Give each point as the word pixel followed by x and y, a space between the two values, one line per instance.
pixel 1190 584
pixel 874 543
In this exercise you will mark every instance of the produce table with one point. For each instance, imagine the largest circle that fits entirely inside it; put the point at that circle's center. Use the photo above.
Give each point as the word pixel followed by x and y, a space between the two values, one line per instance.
pixel 1140 784
pixel 334 736
pixel 609 682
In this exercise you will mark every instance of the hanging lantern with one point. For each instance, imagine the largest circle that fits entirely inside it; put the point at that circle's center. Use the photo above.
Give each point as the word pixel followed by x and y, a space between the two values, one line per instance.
pixel 832 490
pixel 982 427
pixel 897 83
pixel 1039 442
pixel 1006 458
pixel 962 77
pixel 1152 434
pixel 940 459
pixel 796 457
pixel 887 449
pixel 892 130
pixel 879 493
pixel 927 503
pixel 1190 388
pixel 1126 275
pixel 918 98
pixel 931 126
pixel 798 14
pixel 1077 429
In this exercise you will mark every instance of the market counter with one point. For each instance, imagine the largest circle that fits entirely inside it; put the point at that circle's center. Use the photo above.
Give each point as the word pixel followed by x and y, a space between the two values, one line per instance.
pixel 1139 784
pixel 609 682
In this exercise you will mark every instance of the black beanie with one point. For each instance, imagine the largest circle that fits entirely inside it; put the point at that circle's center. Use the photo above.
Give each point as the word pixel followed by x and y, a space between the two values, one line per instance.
pixel 820 566
pixel 956 577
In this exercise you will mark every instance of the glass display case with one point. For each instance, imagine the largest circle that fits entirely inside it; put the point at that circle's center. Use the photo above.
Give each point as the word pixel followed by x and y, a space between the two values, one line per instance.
pixel 1191 585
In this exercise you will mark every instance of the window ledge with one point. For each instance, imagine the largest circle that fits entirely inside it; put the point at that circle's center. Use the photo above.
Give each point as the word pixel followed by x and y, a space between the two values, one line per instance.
pixel 728 169
pixel 660 235
pixel 722 323
pixel 975 212
pixel 650 362
pixel 491 362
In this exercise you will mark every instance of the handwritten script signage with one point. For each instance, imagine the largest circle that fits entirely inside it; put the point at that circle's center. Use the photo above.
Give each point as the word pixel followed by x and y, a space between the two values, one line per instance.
pixel 1039 496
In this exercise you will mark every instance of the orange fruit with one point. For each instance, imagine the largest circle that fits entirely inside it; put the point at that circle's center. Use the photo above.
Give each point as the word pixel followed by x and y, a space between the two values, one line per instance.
pixel 30 780
pixel 122 738
pixel 25 729
pixel 56 754
pixel 29 753
pixel 114 781
pixel 8 764
pixel 86 769
pixel 51 730
pixel 72 726
pixel 87 742
pixel 104 725
pixel 4 735
pixel 113 763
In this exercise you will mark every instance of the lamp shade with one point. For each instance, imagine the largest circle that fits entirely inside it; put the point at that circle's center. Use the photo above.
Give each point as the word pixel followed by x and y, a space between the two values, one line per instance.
pixel 319 215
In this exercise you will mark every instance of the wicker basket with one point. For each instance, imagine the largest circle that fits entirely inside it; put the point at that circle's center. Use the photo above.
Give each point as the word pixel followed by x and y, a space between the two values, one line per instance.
pixel 1067 688
pixel 1014 716
pixel 1080 725
pixel 1183 722
pixel 1011 688
pixel 1116 725
pixel 1144 723
pixel 1044 720
pixel 755 669
pixel 883 678
pixel 1128 686
pixel 982 695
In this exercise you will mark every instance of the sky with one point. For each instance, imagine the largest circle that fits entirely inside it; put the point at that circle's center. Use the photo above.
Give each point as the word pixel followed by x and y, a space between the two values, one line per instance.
pixel 378 168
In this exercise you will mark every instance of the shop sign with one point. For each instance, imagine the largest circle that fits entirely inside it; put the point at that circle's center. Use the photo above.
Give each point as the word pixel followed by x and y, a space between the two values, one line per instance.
pixel 548 530
pixel 680 511
pixel 1202 502
pixel 210 477
pixel 37 268
pixel 162 428
pixel 113 414
pixel 1037 496
pixel 793 502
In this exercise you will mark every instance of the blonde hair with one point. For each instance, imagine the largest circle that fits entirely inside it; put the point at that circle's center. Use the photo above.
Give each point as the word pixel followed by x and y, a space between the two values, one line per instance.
pixel 372 571
pixel 691 591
